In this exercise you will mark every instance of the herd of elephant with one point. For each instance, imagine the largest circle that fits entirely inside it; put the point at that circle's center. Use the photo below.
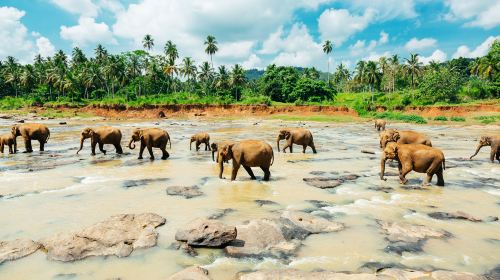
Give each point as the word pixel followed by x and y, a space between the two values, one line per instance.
pixel 412 150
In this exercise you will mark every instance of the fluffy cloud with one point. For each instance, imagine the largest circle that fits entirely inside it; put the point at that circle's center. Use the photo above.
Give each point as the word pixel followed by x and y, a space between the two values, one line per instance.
pixel 361 47
pixel 481 50
pixel 480 13
pixel 386 9
pixel 87 31
pixel 375 56
pixel 416 45
pixel 339 25
pixel 252 62
pixel 437 56
pixel 80 7
pixel 45 47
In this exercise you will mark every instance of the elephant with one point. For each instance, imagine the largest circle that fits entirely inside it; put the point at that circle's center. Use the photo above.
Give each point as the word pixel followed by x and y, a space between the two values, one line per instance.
pixel 214 148
pixel 246 153
pixel 417 157
pixel 151 138
pixel 9 140
pixel 494 142
pixel 102 135
pixel 403 137
pixel 299 136
pixel 380 124
pixel 200 138
pixel 31 131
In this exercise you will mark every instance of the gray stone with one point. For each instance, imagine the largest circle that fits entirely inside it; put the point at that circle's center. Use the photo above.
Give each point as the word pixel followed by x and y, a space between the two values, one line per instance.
pixel 191 273
pixel 187 192
pixel 16 249
pixel 311 223
pixel 206 233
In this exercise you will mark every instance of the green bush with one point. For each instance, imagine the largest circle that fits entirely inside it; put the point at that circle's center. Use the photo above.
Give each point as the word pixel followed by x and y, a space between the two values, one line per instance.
pixel 441 118
pixel 400 117
pixel 488 119
pixel 440 86
pixel 457 119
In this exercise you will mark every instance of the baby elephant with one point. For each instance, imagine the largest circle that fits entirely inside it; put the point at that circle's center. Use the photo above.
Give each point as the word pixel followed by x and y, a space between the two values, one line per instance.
pixel 249 153
pixel 403 137
pixel 417 157
pixel 494 142
pixel 32 131
pixel 200 138
pixel 298 136
pixel 151 138
pixel 380 124
pixel 102 135
pixel 9 140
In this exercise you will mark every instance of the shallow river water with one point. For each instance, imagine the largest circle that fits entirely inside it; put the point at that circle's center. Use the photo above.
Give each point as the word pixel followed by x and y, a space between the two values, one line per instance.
pixel 58 191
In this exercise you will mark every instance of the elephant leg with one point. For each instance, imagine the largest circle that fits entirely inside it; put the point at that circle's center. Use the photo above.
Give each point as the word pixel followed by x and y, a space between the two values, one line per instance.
pixel 304 149
pixel 249 171
pixel 234 172
pixel 27 144
pixel 498 155
pixel 92 147
pixel 267 173
pixel 165 154
pixel 428 179
pixel 2 147
pixel 101 148
pixel 118 149
pixel 493 154
pixel 208 146
pixel 150 150
pixel 405 170
pixel 11 149
pixel 313 147
pixel 439 175
pixel 141 151
pixel 197 145
pixel 291 147
pixel 42 145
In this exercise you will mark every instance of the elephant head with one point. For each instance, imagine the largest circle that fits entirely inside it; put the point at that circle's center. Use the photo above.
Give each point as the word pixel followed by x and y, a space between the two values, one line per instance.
pixel 213 146
pixel 224 154
pixel 136 136
pixel 15 131
pixel 390 152
pixel 282 135
pixel 388 136
pixel 193 139
pixel 483 141
pixel 86 133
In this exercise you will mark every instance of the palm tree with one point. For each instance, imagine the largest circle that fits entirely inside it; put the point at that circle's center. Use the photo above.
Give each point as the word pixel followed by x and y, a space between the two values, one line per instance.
pixel 101 54
pixel 327 48
pixel 434 66
pixel 360 71
pixel 394 66
pixel 222 79
pixel 148 42
pixel 28 77
pixel 211 47
pixel 77 57
pixel 172 54
pixel 206 75
pixel 238 79
pixel 188 69
pixel 372 73
pixel 413 67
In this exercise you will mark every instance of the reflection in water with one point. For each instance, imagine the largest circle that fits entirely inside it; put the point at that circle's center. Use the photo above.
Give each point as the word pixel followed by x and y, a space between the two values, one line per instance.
pixel 58 191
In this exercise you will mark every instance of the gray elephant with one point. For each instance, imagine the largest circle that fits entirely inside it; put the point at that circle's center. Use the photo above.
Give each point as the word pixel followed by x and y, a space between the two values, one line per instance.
pixel 151 138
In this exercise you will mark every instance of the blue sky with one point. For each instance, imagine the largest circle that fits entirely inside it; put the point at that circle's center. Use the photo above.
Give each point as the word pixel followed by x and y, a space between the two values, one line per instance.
pixel 254 33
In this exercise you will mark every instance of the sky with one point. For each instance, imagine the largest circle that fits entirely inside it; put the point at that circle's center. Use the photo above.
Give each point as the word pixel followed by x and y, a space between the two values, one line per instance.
pixel 254 33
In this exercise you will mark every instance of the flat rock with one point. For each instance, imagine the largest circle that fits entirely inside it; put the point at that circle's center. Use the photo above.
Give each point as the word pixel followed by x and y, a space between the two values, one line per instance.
pixel 323 182
pixel 368 152
pixel 206 233
pixel 187 192
pixel 119 235
pixel 220 213
pixel 459 215
pixel 191 273
pixel 262 202
pixel 141 182
pixel 312 223
pixel 401 232
pixel 16 249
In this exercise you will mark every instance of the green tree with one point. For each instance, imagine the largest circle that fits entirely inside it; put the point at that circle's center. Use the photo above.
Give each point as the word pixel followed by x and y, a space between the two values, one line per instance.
pixel 237 80
pixel 327 49
pixel 148 42
pixel 211 47
pixel 442 85
pixel 413 67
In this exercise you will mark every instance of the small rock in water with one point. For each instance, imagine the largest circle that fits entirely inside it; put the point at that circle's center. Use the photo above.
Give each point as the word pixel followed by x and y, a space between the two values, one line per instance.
pixel 459 215
pixel 178 245
pixel 16 249
pixel 20 121
pixel 319 203
pixel 262 202
pixel 220 213
pixel 191 273
pixel 312 223
pixel 206 233
pixel 368 152
pixel 323 183
pixel 119 235
pixel 381 189
pixel 63 123
pixel 141 182
pixel 187 192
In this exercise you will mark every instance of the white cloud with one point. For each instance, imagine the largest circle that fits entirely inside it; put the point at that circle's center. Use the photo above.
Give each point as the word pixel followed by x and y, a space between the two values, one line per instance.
pixel 480 13
pixel 481 50
pixel 240 49
pixel 386 9
pixel 87 31
pixel 45 47
pixel 252 62
pixel 360 47
pixel 375 56
pixel 79 7
pixel 340 25
pixel 416 45
pixel 384 38
pixel 437 56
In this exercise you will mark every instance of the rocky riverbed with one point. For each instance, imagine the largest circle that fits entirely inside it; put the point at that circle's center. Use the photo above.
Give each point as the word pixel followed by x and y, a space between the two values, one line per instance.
pixel 321 216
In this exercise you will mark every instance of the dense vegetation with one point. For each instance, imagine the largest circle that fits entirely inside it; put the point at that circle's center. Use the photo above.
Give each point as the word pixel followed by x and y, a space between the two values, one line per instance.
pixel 139 77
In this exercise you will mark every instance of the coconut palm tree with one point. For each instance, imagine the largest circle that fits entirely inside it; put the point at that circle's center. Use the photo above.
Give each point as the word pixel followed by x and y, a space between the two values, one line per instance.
pixel 77 57
pixel 28 77
pixel 237 79
pixel 413 67
pixel 434 66
pixel 171 52
pixel 327 49
pixel 211 47
pixel 188 69
pixel 360 72
pixel 222 79
pixel 206 75
pixel 101 54
pixel 148 42
pixel 394 67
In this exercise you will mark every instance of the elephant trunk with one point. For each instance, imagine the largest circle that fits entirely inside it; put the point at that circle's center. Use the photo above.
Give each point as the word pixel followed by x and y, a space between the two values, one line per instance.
pixel 131 144
pixel 81 145
pixel 190 143
pixel 382 167
pixel 221 166
pixel 477 151
pixel 278 143
pixel 213 155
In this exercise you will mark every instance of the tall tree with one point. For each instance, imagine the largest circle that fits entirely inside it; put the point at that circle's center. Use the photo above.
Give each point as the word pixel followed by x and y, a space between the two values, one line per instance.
pixel 188 69
pixel 238 80
pixel 394 66
pixel 327 49
pixel 148 42
pixel 413 67
pixel 211 47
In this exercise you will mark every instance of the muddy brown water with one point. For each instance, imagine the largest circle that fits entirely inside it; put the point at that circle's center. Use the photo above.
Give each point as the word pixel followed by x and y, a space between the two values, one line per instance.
pixel 58 191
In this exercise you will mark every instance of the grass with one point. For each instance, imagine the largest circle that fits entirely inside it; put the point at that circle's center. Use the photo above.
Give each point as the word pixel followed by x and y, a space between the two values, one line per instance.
pixel 457 119
pixel 314 118
pixel 400 117
pixel 441 118
pixel 488 119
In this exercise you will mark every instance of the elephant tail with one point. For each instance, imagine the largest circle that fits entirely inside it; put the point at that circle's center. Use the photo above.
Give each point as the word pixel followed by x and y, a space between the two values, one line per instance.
pixel 272 153
pixel 170 142
pixel 444 165
pixel 48 137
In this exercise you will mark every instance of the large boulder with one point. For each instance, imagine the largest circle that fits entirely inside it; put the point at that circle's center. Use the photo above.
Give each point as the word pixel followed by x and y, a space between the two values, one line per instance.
pixel 312 223
pixel 119 235
pixel 206 233
pixel 16 249
pixel 191 273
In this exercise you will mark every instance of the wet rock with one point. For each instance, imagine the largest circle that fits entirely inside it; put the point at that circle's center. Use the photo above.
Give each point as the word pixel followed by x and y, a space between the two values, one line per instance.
pixel 119 235
pixel 265 238
pixel 459 215
pixel 323 183
pixel 20 121
pixel 378 266
pixel 317 173
pixel 16 249
pixel 63 123
pixel 349 177
pixel 319 203
pixel 312 223
pixel 142 182
pixel 187 192
pixel 206 233
pixel 178 245
pixel 161 114
pixel 381 189
pixel 191 273
pixel 402 232
pixel 491 219
pixel 262 202
pixel 493 274
pixel 5 116
pixel 219 213
pixel 368 152
pixel 65 276
pixel 400 247
pixel 414 188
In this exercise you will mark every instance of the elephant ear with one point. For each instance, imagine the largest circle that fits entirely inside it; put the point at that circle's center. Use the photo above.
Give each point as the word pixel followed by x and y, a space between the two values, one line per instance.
pixel 396 136
pixel 486 139
pixel 287 135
